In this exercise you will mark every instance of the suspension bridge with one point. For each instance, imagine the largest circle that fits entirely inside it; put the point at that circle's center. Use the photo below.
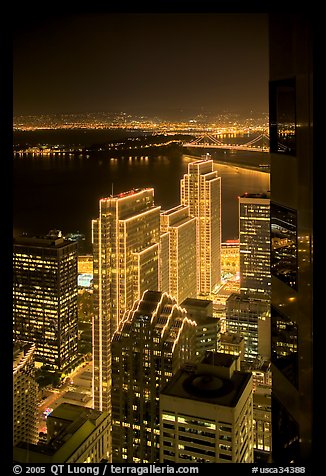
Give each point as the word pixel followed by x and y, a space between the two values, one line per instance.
pixel 209 141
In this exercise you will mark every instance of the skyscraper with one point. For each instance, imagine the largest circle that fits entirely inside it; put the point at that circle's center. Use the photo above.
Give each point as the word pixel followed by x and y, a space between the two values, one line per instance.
pixel 254 229
pixel 25 391
pixel 292 236
pixel 206 413
pixel 153 340
pixel 208 329
pixel 243 316
pixel 201 192
pixel 182 256
pixel 125 240
pixel 45 297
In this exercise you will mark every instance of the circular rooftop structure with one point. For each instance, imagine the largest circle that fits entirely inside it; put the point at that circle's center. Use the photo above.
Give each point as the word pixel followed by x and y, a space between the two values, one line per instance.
pixel 207 385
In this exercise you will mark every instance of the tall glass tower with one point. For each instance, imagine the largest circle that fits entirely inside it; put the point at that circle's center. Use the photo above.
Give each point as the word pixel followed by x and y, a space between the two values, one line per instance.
pixel 254 229
pixel 292 237
pixel 45 297
pixel 201 192
pixel 125 240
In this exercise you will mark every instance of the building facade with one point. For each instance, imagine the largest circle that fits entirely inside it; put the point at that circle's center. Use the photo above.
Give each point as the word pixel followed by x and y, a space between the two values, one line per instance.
pixel 254 231
pixel 243 316
pixel 201 192
pixel 126 239
pixel 293 223
pixel 154 339
pixel 45 297
pixel 25 390
pixel 182 257
pixel 233 344
pixel 208 329
pixel 206 413
pixel 262 423
pixel 230 257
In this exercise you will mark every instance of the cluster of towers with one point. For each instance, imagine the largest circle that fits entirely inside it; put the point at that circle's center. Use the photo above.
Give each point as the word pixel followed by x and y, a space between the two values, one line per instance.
pixel 168 385
pixel 154 325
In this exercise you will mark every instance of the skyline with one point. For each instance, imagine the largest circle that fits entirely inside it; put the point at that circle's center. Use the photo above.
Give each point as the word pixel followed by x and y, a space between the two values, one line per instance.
pixel 80 60
pixel 170 64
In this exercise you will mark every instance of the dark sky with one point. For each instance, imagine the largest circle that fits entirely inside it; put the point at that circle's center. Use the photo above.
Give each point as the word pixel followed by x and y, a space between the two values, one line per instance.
pixel 158 63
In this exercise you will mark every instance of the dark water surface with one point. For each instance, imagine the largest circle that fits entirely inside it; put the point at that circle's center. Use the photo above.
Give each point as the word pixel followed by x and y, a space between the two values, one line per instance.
pixel 63 192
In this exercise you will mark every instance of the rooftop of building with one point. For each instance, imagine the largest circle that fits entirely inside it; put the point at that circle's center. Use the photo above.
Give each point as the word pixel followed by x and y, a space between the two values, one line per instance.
pixel 78 424
pixel 219 359
pixel 231 338
pixel 53 239
pixel 246 298
pixel 205 382
pixel 256 195
pixel 203 303
pixel 205 320
pixel 174 210
pixel 128 193
pixel 20 351
pixel 71 412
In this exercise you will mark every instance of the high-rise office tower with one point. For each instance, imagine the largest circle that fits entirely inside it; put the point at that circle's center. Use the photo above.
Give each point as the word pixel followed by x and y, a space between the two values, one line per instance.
pixel 126 239
pixel 151 343
pixel 254 230
pixel 201 192
pixel 247 316
pixel 208 329
pixel 206 413
pixel 182 256
pixel 45 297
pixel 292 264
pixel 25 391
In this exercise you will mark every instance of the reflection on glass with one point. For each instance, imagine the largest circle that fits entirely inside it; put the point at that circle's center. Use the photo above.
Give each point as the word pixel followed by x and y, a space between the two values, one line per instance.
pixel 285 345
pixel 284 262
pixel 282 117
pixel 285 444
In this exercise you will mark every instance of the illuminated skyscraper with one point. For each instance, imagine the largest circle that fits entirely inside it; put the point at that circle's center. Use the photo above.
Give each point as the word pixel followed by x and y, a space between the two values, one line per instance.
pixel 206 413
pixel 255 274
pixel 125 240
pixel 45 297
pixel 151 343
pixel 182 258
pixel 201 192
pixel 25 391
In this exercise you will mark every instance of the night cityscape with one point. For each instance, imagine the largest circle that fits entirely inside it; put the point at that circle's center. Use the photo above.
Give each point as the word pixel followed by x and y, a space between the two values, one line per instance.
pixel 162 256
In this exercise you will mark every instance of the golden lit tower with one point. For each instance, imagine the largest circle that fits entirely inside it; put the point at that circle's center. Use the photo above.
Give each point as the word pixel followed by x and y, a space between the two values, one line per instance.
pixel 125 248
pixel 152 342
pixel 182 282
pixel 201 192
pixel 25 391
